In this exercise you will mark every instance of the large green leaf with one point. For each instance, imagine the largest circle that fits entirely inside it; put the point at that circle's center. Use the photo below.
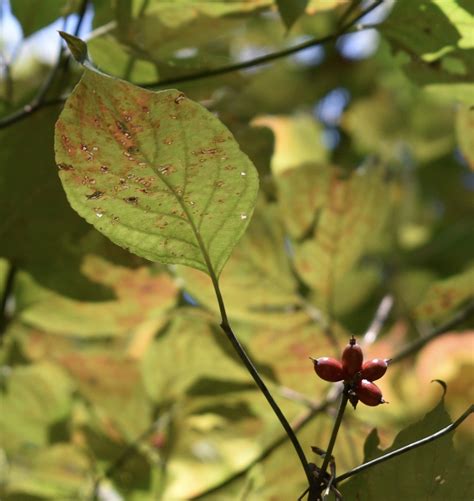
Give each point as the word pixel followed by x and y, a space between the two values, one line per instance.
pixel 301 194
pixel 141 297
pixel 61 471
pixel 435 38
pixel 111 383
pixel 350 220
pixel 155 172
pixel 36 14
pixel 185 353
pixel 35 397
pixel 258 284
pixel 444 296
pixel 39 231
pixel 434 471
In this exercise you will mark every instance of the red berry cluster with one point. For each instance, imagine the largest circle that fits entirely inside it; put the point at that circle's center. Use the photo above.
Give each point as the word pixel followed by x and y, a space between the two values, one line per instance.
pixel 356 374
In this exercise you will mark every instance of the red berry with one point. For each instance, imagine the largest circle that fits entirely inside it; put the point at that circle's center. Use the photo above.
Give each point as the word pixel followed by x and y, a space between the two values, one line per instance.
pixel 328 369
pixel 369 393
pixel 374 369
pixel 352 359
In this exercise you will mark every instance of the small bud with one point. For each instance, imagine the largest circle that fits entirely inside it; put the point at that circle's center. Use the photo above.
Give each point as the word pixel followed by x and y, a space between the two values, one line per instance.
pixel 328 369
pixel 352 359
pixel 369 393
pixel 374 369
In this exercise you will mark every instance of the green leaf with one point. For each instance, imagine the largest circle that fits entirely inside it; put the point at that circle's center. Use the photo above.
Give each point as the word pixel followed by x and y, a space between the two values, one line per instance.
pixel 298 140
pixel 261 265
pixel 436 469
pixel 386 120
pixel 114 58
pixel 61 471
pixel 445 296
pixel 465 132
pixel 36 14
pixel 77 46
pixel 291 10
pixel 302 193
pixel 155 172
pixel 141 297
pixel 436 45
pixel 112 384
pixel 188 351
pixel 354 213
pixel 35 397
pixel 40 233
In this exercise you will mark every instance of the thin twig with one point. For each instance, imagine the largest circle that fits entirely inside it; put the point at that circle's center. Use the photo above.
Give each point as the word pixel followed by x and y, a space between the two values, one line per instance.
pixel 408 447
pixel 297 425
pixel 296 396
pixel 266 58
pixel 380 317
pixel 6 293
pixel 419 343
pixel 348 13
pixel 38 101
pixel 34 106
pixel 315 492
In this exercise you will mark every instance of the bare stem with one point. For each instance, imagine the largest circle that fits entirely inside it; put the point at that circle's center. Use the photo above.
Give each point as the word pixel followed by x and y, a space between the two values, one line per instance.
pixel 407 448
pixel 315 489
pixel 225 325
pixel 419 343
pixel 266 58
pixel 381 315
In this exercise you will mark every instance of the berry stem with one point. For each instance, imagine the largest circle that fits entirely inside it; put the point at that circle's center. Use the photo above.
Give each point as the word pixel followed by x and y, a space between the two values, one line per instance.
pixel 332 440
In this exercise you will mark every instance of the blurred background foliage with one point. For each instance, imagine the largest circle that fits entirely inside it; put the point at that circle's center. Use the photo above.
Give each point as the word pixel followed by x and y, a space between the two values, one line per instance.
pixel 114 376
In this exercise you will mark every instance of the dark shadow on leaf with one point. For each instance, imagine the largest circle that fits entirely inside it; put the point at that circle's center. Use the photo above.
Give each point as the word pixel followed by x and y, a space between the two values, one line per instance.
pixel 232 412
pixel 209 386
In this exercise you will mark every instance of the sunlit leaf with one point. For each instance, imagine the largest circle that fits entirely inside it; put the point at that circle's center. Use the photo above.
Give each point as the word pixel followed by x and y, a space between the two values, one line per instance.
pixel 112 384
pixel 298 140
pixel 155 172
pixel 35 397
pixel 61 471
pixel 444 296
pixel 355 210
pixel 257 283
pixel 187 351
pixel 302 192
pixel 141 296
pixel 436 45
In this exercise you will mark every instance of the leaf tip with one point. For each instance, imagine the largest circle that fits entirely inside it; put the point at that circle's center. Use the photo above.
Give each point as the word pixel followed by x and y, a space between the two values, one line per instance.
pixel 77 46
pixel 443 385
